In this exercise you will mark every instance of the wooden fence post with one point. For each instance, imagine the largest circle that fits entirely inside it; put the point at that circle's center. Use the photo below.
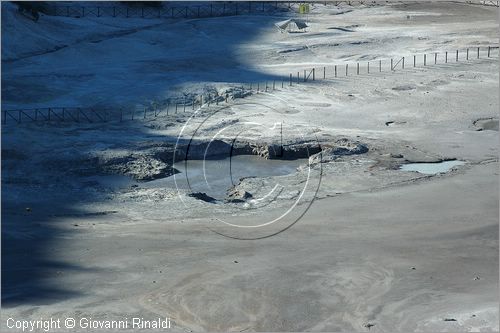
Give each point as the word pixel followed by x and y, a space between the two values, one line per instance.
pixel 414 61
pixel 489 47
pixel 446 57
pixel 467 54
pixel 304 75
pixel 403 65
pixel 314 75
pixel 346 69
pixel 335 70
pixel 368 67
pixel 478 52
pixel 290 79
pixel 435 58
pixel 357 68
pixel 425 59
pixel 392 68
pixel 324 73
pixel 456 59
pixel 380 65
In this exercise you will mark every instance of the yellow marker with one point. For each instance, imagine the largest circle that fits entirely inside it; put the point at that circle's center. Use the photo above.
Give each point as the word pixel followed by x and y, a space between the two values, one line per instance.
pixel 304 8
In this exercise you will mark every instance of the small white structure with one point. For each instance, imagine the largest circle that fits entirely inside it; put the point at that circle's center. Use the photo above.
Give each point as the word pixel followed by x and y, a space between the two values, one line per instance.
pixel 291 25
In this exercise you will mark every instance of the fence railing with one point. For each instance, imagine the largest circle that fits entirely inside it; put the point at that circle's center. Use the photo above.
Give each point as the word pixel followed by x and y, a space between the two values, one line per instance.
pixel 214 9
pixel 74 114
pixel 393 64
pixel 484 2
pixel 177 106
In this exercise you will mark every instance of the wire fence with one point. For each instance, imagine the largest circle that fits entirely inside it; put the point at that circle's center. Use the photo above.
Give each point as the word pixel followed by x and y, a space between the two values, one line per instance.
pixel 177 106
pixel 484 2
pixel 214 9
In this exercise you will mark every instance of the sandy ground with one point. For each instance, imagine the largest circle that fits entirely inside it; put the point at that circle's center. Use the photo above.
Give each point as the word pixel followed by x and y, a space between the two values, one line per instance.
pixel 379 249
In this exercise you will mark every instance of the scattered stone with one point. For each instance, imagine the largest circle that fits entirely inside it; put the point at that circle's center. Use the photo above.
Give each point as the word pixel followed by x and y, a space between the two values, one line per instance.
pixel 449 319
pixel 391 123
pixel 396 155
pixel 476 278
pixel 341 147
pixel 202 196
pixel 235 195
pixel 138 166
pixel 28 209
pixel 369 325
pixel 489 124
pixel 235 261
pixel 404 87
pixel 413 268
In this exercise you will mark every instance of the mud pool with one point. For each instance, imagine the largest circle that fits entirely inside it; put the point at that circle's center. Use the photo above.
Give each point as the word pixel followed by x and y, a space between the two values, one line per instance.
pixel 431 168
pixel 215 177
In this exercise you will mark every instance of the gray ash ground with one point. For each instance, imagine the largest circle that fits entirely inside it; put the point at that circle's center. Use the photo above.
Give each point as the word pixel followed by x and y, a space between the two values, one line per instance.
pixel 92 225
